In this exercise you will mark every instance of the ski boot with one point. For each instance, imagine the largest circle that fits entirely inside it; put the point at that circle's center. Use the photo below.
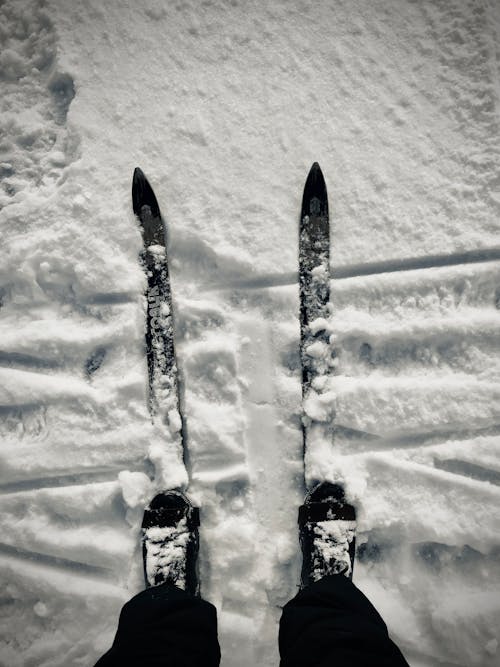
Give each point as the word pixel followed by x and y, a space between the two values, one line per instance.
pixel 170 542
pixel 327 527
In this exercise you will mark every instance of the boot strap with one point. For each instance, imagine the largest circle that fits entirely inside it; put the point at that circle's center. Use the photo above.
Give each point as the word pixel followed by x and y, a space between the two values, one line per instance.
pixel 314 512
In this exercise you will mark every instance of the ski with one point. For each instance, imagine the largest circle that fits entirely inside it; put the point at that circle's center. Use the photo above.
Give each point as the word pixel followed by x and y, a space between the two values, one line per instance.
pixel 164 405
pixel 326 517
pixel 314 268
pixel 314 287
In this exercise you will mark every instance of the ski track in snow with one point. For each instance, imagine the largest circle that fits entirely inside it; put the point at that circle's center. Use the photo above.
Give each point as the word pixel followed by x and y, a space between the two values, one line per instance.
pixel 225 108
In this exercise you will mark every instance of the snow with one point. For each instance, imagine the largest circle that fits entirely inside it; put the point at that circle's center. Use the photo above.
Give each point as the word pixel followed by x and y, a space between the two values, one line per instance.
pixel 225 105
pixel 166 553
pixel 331 540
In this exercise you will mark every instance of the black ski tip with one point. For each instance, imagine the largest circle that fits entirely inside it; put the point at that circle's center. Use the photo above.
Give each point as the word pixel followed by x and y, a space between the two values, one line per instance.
pixel 143 195
pixel 315 199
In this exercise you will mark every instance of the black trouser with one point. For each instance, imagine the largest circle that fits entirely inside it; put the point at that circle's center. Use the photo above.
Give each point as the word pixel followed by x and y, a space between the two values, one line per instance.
pixel 327 624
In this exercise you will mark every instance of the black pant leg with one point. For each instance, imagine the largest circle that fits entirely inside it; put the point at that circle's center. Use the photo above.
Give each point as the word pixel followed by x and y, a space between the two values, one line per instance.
pixel 331 623
pixel 164 626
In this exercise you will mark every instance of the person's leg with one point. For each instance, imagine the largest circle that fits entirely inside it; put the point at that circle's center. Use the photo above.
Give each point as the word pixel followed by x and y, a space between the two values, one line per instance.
pixel 332 623
pixel 167 624
pixel 163 625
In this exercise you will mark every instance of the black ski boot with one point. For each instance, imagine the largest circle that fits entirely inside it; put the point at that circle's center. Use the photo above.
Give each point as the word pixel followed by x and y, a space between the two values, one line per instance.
pixel 327 527
pixel 170 542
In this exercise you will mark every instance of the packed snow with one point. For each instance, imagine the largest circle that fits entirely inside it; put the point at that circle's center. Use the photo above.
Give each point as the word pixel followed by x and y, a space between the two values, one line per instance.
pixel 331 544
pixel 166 549
pixel 225 105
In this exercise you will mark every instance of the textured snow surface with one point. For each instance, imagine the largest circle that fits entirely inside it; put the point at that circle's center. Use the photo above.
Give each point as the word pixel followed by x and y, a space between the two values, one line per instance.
pixel 331 547
pixel 166 553
pixel 225 105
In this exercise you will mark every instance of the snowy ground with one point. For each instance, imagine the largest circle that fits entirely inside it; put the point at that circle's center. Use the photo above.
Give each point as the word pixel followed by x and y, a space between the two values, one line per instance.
pixel 225 104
